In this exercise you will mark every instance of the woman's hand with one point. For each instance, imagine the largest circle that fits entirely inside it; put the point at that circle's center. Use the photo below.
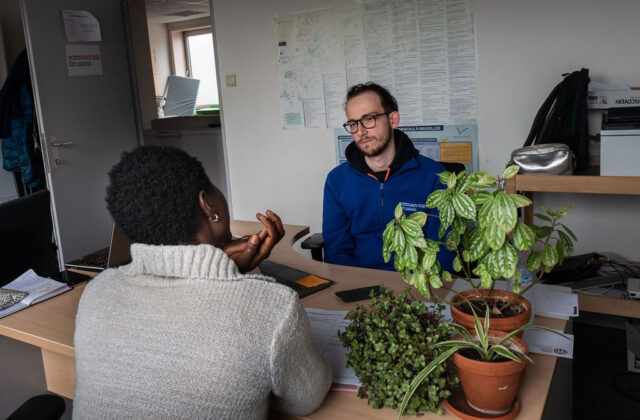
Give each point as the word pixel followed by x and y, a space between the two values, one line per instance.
pixel 249 251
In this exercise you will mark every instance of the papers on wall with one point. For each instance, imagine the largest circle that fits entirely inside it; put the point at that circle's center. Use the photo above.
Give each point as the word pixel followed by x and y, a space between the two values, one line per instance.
pixel 324 333
pixel 38 289
pixel 423 52
pixel 81 26
pixel 448 143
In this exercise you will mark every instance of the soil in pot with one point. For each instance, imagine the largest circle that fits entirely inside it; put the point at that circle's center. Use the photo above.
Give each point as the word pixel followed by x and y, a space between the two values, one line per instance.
pixel 519 311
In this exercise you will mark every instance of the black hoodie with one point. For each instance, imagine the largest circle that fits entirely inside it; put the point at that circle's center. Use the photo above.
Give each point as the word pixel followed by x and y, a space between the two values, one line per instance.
pixel 405 151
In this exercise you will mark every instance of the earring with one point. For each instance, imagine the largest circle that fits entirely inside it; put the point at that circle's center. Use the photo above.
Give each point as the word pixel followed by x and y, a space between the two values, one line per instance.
pixel 214 219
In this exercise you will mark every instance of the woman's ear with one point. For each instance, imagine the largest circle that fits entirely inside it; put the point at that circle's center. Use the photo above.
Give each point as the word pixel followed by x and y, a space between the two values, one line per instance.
pixel 205 205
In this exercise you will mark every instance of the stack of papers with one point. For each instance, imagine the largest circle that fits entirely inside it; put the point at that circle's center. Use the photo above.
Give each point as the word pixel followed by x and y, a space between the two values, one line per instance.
pixel 38 289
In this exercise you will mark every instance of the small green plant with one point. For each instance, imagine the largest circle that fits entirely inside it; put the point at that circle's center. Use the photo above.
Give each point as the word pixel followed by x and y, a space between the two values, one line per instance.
pixel 480 344
pixel 482 229
pixel 389 342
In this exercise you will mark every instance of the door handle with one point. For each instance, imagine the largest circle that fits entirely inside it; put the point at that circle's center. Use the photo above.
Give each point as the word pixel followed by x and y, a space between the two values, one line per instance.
pixel 61 143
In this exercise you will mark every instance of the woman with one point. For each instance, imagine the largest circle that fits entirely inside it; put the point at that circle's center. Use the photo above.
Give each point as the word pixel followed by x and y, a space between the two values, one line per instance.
pixel 180 332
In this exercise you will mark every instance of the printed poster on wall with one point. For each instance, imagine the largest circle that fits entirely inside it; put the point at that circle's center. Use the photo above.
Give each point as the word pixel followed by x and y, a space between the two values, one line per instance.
pixel 442 143
pixel 422 51
pixel 84 60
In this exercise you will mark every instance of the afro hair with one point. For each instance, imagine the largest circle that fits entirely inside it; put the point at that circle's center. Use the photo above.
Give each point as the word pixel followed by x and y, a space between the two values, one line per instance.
pixel 153 195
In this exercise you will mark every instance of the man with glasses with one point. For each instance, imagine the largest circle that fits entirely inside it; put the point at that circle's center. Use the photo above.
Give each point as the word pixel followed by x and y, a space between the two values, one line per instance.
pixel 383 169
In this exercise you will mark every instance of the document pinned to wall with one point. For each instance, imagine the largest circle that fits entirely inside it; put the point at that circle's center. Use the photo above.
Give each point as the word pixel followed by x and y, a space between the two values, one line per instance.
pixel 423 52
pixel 83 60
pixel 81 26
pixel 442 143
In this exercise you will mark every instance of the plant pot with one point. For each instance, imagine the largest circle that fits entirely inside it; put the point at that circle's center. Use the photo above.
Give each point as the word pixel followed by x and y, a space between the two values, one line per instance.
pixel 498 324
pixel 491 387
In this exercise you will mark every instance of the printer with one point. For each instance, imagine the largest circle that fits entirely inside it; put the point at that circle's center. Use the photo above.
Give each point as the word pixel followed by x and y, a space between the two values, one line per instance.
pixel 620 142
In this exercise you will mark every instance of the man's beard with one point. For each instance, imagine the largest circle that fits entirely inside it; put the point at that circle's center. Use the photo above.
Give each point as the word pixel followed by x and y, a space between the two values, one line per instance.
pixel 377 150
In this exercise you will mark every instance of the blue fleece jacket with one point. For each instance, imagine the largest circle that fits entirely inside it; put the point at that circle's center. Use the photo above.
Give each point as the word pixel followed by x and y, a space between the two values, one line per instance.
pixel 357 208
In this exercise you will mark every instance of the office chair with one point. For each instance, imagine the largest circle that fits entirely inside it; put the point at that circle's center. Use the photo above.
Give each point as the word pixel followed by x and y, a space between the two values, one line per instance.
pixel 40 407
pixel 315 242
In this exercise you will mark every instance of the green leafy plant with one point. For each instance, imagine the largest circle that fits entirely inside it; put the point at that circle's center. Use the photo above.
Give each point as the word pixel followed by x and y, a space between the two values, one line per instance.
pixel 480 344
pixel 479 223
pixel 389 342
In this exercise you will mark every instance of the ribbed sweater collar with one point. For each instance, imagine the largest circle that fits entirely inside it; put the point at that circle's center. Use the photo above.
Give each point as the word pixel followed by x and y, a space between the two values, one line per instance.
pixel 182 261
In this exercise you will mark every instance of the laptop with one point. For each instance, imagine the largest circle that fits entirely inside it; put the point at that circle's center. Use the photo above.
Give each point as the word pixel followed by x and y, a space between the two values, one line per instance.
pixel 120 248
pixel 303 283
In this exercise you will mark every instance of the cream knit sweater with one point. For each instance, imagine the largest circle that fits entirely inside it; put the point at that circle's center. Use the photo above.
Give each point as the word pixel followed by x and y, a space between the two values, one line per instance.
pixel 180 333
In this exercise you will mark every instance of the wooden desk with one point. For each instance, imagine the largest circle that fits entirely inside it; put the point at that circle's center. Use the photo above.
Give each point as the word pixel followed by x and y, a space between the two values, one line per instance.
pixel 50 326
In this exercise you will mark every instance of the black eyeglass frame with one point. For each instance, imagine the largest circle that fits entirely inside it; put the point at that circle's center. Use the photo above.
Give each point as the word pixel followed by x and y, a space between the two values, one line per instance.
pixel 375 116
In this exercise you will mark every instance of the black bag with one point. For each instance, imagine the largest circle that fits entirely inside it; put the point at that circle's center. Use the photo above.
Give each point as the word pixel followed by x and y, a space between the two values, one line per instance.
pixel 562 118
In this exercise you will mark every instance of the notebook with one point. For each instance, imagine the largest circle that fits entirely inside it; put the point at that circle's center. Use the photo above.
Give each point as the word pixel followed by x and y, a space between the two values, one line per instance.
pixel 36 289
pixel 303 283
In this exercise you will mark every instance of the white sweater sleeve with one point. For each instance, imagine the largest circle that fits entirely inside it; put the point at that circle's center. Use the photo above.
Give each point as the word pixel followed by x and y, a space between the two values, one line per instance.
pixel 300 377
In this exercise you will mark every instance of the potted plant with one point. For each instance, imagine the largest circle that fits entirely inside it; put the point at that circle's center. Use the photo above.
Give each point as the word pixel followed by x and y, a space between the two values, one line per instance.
pixel 389 342
pixel 489 365
pixel 479 223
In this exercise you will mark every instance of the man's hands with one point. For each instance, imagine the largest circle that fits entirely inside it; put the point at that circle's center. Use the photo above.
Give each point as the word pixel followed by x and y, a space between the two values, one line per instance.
pixel 248 252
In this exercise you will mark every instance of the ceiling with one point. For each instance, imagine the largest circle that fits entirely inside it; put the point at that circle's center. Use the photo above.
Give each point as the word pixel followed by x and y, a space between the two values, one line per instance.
pixel 166 11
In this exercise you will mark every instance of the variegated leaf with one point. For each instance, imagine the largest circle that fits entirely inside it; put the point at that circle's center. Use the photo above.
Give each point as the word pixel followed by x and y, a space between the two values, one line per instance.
pixel 485 215
pixel 523 237
pixel 481 197
pixel 464 206
pixel 411 228
pixel 534 260
pixel 410 257
pixel 419 217
pixel 446 275
pixel 504 212
pixel 494 236
pixel 428 259
pixel 520 200
pixel 398 212
pixel 387 235
pixel 566 242
pixel 386 252
pixel 398 242
pixel 549 255
pixel 421 283
pixel 510 171
pixel 460 225
pixel 418 241
pixel 435 281
pixel 457 265
pixel 435 198
pixel 477 244
pixel 485 280
pixel 447 213
pixel 506 259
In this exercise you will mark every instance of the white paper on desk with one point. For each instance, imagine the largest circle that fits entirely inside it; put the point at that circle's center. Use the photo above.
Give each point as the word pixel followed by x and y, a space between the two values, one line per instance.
pixel 324 334
pixel 546 342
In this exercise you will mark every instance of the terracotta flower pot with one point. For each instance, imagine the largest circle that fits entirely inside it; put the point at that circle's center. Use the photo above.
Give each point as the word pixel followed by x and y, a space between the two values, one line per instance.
pixel 499 324
pixel 491 387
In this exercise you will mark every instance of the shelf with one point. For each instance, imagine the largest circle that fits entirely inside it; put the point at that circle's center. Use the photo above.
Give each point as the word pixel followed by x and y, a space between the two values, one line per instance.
pixel 628 185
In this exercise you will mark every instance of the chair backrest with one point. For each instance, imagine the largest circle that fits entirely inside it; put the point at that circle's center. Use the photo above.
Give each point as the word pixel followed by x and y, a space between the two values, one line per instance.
pixel 454 167
pixel 26 237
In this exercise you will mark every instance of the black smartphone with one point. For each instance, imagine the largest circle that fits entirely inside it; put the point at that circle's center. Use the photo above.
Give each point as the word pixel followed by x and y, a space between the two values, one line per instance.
pixel 70 277
pixel 361 293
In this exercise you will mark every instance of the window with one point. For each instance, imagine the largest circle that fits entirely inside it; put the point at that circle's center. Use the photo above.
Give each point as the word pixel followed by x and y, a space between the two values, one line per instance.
pixel 201 65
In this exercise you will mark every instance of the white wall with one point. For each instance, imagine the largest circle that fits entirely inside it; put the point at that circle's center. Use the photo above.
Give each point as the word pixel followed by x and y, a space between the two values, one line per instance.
pixel 159 41
pixel 523 47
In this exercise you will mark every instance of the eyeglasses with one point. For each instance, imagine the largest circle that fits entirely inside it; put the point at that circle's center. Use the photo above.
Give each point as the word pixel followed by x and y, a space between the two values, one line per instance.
pixel 367 121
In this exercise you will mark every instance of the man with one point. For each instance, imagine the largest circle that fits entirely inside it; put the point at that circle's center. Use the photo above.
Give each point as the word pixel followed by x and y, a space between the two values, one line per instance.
pixel 383 168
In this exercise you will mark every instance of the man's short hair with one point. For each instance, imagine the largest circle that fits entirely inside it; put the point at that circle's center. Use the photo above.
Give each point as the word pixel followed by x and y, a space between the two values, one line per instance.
pixel 153 195
pixel 389 103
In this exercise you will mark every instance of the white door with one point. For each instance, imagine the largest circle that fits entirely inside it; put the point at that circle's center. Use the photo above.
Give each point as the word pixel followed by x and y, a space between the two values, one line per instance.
pixel 85 112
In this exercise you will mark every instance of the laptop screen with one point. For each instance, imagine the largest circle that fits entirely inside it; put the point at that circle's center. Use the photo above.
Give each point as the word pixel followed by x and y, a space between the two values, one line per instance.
pixel 120 249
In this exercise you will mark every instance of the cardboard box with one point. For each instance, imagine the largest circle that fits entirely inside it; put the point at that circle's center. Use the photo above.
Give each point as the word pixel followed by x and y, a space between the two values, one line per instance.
pixel 614 98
